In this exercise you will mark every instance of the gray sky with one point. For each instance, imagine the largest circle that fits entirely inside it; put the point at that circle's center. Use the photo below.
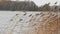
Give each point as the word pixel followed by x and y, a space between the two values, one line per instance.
pixel 42 2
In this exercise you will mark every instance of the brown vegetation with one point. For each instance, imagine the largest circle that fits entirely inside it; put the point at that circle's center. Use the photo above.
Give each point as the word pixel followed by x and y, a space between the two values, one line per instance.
pixel 46 7
pixel 48 25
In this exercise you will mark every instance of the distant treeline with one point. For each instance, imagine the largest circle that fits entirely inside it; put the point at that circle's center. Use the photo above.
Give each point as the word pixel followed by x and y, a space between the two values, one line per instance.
pixel 25 6
pixel 18 6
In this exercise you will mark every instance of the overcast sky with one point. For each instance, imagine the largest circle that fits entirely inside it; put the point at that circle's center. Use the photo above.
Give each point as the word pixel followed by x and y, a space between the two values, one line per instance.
pixel 42 2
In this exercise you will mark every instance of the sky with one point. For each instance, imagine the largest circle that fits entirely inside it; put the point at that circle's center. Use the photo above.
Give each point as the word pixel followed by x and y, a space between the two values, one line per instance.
pixel 42 2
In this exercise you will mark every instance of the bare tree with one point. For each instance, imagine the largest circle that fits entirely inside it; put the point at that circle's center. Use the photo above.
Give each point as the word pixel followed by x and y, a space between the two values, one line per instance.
pixel 55 2
pixel 46 7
